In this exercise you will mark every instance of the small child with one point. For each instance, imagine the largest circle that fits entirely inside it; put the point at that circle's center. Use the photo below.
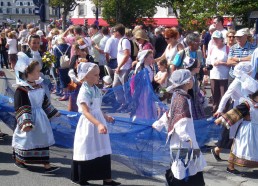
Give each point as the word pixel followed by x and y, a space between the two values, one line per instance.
pixel 145 60
pixel 244 149
pixel 161 78
pixel 92 150
pixel 181 134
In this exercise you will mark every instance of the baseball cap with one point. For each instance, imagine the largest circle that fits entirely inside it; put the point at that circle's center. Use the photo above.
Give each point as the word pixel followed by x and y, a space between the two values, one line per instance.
pixel 217 34
pixel 241 32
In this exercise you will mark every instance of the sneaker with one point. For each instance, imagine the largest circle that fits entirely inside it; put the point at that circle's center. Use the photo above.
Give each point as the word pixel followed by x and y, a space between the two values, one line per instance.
pixel 234 171
pixel 51 169
pixel 215 155
pixel 111 183
pixel 20 165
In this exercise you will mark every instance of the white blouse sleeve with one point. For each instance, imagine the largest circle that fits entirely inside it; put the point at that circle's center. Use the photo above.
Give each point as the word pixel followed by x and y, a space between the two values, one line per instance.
pixel 72 75
pixel 159 124
pixel 231 89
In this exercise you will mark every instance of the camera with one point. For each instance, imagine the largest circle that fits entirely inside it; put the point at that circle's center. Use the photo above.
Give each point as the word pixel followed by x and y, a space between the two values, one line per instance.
pixel 209 67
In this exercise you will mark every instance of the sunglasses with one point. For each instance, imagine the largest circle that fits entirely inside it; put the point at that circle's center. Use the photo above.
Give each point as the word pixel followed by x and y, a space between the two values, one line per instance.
pixel 231 36
pixel 167 38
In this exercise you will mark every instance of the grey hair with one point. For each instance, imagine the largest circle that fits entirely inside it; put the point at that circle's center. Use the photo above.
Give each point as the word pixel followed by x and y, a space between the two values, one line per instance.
pixel 192 37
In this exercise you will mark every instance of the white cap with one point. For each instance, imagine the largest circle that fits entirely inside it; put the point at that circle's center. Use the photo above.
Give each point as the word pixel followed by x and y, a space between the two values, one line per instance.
pixel 241 32
pixel 40 33
pixel 84 68
pixel 217 34
pixel 178 78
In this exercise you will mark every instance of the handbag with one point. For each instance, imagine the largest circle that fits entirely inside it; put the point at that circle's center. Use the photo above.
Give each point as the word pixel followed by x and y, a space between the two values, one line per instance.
pixel 72 86
pixel 180 164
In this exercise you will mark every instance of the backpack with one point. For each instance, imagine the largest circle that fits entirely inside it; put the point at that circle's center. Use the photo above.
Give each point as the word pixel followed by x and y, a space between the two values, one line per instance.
pixel 64 59
pixel 133 57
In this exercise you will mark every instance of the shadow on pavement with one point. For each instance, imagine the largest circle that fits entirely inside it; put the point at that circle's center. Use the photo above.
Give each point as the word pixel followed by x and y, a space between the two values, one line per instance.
pixel 8 172
pixel 129 176
pixel 252 175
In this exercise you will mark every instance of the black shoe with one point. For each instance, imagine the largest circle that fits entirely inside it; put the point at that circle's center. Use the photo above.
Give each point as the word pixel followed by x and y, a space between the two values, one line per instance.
pixel 234 171
pixel 51 169
pixel 20 165
pixel 111 183
pixel 215 155
pixel 2 135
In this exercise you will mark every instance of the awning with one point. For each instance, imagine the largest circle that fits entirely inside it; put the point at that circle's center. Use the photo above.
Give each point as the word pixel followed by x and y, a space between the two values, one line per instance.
pixel 80 21
pixel 166 21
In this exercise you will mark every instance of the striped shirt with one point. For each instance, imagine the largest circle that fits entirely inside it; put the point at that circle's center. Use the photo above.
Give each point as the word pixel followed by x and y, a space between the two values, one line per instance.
pixel 240 52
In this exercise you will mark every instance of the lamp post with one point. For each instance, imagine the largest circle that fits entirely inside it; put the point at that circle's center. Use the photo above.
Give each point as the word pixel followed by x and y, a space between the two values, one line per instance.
pixel 95 10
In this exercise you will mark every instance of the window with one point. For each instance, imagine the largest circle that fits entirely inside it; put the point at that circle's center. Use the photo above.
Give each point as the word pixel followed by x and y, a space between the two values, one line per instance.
pixel 81 9
pixel 31 4
pixel 9 10
pixel 20 10
pixel 14 11
pixel 30 11
pixel 23 10
pixel 17 10
pixel 26 11
pixel 9 4
pixel 4 10
pixel 170 11
pixel 1 11
pixel 17 3
pixel 2 3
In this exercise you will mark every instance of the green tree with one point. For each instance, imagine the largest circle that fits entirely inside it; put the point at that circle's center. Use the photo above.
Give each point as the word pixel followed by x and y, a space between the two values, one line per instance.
pixel 66 6
pixel 127 12
pixel 196 14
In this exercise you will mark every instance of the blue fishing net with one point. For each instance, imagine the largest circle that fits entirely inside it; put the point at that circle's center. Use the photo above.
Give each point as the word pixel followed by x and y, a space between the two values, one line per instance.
pixel 133 140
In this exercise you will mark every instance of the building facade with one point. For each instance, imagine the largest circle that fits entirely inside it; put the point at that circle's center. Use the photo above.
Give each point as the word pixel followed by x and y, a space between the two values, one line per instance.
pixel 23 10
pixel 86 10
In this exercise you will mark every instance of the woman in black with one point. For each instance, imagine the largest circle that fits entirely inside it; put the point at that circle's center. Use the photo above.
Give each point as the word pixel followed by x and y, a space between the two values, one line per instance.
pixel 3 51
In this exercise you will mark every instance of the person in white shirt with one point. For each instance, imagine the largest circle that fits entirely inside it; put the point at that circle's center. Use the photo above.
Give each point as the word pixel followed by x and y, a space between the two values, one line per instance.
pixel 111 50
pixel 218 22
pixel 12 52
pixel 124 63
pixel 219 74
pixel 100 48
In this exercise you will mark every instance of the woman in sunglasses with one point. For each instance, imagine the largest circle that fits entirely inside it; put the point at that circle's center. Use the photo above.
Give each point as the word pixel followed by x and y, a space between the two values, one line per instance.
pixel 171 37
pixel 231 38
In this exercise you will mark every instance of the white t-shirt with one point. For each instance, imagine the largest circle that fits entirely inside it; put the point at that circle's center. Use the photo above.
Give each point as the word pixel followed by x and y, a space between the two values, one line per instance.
pixel 12 46
pixel 102 44
pixel 123 44
pixel 161 75
pixel 220 71
pixel 170 53
pixel 111 47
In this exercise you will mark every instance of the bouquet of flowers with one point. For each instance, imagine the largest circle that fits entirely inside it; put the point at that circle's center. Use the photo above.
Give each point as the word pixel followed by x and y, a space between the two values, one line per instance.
pixel 48 59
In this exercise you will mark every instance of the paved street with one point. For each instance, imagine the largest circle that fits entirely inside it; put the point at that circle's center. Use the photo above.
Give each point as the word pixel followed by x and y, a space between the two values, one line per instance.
pixel 10 175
